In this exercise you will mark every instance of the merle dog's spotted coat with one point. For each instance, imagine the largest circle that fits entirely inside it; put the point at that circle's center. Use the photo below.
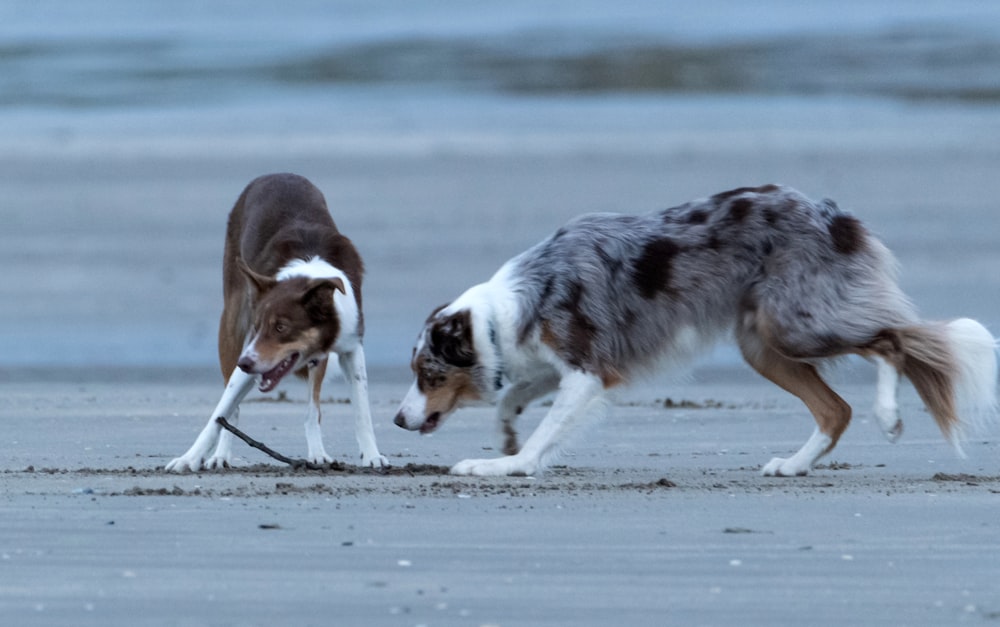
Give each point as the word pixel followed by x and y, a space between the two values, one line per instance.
pixel 610 295
pixel 697 266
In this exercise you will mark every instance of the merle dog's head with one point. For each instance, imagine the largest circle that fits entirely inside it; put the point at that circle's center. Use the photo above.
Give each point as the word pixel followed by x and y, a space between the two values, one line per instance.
pixel 447 371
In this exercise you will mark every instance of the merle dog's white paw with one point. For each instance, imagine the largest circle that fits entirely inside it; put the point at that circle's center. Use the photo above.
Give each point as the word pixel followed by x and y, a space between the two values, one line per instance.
pixel 894 432
pixel 781 467
pixel 890 422
pixel 499 467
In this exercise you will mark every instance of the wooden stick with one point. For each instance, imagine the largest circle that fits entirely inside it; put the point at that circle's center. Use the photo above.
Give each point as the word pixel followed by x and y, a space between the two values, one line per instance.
pixel 296 464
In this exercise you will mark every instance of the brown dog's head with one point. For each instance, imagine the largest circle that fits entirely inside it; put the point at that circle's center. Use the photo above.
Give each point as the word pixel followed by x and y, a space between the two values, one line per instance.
pixel 447 372
pixel 295 324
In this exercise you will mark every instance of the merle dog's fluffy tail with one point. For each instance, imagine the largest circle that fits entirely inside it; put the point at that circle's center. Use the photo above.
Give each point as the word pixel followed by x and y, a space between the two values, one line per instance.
pixel 953 367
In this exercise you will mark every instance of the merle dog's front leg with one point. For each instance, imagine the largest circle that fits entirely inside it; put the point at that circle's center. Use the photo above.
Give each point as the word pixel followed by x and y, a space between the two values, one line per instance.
pixel 581 397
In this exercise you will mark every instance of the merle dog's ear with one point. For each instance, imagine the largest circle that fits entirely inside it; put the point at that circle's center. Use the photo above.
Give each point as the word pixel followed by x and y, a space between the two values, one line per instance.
pixel 257 281
pixel 451 339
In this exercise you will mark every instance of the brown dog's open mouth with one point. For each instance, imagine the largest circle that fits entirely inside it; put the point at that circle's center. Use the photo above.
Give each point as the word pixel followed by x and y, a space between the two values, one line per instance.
pixel 270 379
pixel 431 423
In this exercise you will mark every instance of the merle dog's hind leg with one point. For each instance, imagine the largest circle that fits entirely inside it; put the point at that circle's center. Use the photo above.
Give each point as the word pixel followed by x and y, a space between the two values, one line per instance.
pixel 832 413
pixel 886 406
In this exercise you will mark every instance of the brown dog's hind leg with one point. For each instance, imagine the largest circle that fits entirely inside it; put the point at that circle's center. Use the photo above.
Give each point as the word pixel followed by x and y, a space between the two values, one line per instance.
pixel 230 342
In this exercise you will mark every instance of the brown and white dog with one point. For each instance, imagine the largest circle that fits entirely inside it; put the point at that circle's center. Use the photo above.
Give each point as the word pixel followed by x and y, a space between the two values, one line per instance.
pixel 609 296
pixel 292 290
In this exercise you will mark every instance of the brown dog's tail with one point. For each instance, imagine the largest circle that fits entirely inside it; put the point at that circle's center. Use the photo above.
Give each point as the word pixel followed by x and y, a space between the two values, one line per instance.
pixel 953 367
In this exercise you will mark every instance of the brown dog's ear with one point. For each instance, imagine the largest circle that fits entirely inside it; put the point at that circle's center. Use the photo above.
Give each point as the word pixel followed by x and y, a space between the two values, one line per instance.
pixel 332 283
pixel 337 284
pixel 451 339
pixel 258 281
pixel 318 297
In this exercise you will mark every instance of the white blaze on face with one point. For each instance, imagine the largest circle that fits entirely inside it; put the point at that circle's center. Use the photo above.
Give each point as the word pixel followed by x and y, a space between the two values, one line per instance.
pixel 413 409
pixel 250 352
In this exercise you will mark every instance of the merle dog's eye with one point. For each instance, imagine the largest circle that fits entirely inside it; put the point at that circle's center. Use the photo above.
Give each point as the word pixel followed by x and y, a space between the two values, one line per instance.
pixel 280 327
pixel 432 379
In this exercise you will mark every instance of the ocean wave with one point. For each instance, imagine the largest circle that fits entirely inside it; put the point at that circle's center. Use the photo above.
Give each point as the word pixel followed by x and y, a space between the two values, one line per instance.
pixel 914 63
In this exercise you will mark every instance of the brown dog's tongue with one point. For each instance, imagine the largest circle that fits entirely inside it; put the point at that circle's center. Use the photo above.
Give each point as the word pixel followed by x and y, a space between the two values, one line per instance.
pixel 270 379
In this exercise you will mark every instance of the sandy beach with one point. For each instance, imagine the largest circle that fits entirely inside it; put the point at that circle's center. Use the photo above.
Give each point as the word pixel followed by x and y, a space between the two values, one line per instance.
pixel 657 517
pixel 113 217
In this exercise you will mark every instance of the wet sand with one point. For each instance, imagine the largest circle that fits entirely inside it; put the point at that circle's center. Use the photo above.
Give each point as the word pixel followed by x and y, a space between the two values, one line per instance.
pixel 658 516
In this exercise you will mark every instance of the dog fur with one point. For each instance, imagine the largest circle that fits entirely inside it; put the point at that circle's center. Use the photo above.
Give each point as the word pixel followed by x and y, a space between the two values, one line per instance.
pixel 292 294
pixel 610 296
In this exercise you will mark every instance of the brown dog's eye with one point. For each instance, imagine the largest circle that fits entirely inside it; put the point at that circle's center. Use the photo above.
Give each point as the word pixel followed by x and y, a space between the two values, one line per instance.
pixel 280 327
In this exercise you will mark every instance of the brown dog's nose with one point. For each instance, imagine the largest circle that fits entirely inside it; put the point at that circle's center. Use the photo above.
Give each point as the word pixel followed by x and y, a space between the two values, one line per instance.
pixel 400 420
pixel 246 364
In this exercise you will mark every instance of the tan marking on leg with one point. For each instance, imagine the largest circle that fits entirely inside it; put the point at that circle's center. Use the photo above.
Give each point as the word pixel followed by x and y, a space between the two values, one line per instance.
pixel 547 337
pixel 611 377
pixel 832 413
pixel 510 444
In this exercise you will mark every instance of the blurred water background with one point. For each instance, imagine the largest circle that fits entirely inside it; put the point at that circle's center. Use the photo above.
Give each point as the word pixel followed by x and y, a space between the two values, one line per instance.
pixel 448 135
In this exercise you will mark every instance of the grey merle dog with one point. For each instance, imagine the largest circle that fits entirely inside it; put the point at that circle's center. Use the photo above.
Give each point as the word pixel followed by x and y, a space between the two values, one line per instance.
pixel 609 296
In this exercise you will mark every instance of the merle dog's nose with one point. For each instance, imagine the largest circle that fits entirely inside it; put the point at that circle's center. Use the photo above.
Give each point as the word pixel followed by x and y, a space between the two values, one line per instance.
pixel 400 420
pixel 245 364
